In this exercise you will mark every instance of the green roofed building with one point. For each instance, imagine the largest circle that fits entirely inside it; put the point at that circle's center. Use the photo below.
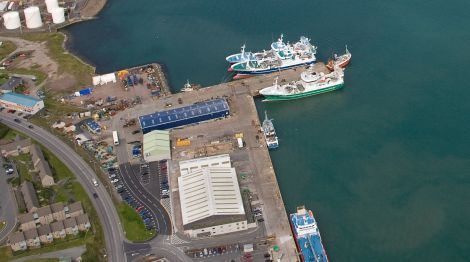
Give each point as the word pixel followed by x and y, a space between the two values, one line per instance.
pixel 157 145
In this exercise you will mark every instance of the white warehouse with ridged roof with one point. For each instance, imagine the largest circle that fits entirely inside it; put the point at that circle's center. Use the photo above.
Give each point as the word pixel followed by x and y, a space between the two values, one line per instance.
pixel 211 202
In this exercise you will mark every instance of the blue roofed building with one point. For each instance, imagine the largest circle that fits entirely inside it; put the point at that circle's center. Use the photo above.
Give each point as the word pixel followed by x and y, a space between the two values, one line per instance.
pixel 23 103
pixel 182 116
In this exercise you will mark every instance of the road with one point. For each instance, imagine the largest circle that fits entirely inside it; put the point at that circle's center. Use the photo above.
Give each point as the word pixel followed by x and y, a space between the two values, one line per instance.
pixel 73 252
pixel 103 204
pixel 131 182
pixel 8 208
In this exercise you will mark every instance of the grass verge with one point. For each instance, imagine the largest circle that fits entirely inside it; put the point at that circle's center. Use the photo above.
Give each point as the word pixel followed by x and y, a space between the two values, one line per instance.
pixel 134 227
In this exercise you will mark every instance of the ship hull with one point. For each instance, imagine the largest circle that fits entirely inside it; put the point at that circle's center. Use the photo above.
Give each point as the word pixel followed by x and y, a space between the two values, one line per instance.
pixel 270 70
pixel 304 94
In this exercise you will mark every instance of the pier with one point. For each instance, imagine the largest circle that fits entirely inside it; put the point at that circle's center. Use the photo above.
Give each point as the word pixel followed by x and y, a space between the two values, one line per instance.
pixel 218 137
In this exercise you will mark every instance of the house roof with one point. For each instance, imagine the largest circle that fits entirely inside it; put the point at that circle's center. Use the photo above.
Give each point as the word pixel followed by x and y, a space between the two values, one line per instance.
pixel 82 219
pixel 44 230
pixel 20 99
pixel 29 195
pixel 25 218
pixel 57 207
pixel 16 237
pixel 12 83
pixel 39 161
pixel 76 206
pixel 30 233
pixel 14 145
pixel 70 222
pixel 44 211
pixel 57 226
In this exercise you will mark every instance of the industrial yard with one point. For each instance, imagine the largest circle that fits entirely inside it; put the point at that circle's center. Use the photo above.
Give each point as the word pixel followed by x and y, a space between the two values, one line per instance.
pixel 216 129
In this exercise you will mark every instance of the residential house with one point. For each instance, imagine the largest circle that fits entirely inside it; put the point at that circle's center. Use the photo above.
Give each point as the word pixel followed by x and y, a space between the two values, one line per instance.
pixel 32 238
pixel 45 234
pixel 83 222
pixel 70 225
pixel 17 242
pixel 10 85
pixel 41 166
pixel 27 221
pixel 57 229
pixel 15 148
pixel 58 211
pixel 75 209
pixel 44 215
pixel 29 196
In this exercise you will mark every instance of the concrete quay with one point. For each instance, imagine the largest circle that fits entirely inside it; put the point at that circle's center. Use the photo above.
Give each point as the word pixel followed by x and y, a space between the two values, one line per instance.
pixel 254 159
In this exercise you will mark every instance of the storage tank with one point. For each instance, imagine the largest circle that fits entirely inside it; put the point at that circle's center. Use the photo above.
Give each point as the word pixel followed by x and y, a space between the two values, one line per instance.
pixel 58 15
pixel 51 5
pixel 33 17
pixel 11 20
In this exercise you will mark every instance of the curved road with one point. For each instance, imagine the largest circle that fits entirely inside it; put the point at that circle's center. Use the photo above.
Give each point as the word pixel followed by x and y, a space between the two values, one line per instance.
pixel 103 205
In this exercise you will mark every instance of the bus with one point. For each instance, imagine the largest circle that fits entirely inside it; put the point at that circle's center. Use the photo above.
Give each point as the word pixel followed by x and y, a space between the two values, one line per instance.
pixel 115 138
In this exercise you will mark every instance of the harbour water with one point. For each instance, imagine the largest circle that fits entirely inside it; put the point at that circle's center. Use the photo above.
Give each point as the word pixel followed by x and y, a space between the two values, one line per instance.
pixel 384 163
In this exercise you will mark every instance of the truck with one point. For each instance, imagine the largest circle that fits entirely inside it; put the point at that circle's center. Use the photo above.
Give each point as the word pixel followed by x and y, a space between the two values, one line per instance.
pixel 115 138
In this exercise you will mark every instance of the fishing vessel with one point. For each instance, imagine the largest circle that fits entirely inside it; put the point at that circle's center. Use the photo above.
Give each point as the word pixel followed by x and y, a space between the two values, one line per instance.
pixel 188 87
pixel 269 133
pixel 340 61
pixel 307 236
pixel 281 56
pixel 310 83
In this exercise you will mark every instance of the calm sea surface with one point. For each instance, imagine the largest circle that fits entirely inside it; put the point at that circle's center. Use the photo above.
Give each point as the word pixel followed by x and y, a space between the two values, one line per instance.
pixel 385 162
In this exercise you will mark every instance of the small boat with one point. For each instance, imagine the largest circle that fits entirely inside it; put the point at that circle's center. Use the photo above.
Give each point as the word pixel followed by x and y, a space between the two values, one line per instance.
pixel 189 87
pixel 341 61
pixel 269 132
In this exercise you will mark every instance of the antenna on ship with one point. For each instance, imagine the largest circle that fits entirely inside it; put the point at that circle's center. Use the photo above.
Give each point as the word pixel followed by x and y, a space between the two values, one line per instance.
pixel 347 51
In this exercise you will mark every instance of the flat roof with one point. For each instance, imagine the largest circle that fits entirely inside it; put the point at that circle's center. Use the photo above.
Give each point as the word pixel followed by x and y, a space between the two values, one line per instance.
pixel 182 113
pixel 16 98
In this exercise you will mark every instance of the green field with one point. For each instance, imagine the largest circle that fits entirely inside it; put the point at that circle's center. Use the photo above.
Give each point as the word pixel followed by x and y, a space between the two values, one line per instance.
pixel 133 224
pixel 6 49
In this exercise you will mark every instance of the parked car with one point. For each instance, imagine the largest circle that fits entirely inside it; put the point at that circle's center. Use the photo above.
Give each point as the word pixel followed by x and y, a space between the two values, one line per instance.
pixel 135 132
pixel 114 180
